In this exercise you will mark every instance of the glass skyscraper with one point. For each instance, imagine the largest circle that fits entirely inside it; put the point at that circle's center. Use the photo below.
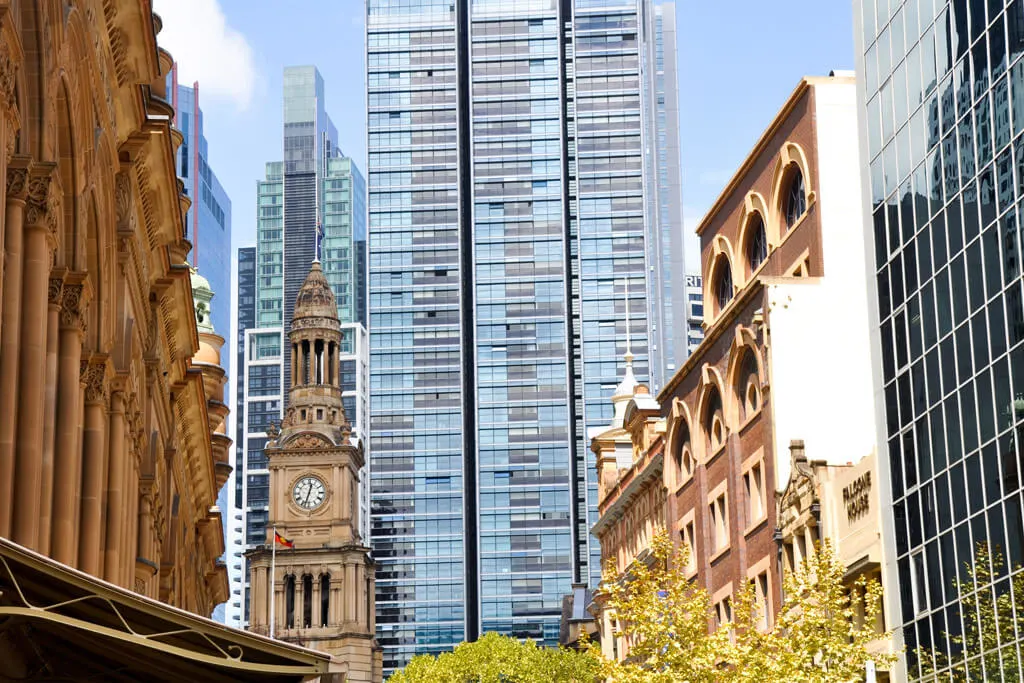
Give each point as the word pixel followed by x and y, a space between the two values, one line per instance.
pixel 310 205
pixel 208 228
pixel 508 182
pixel 942 96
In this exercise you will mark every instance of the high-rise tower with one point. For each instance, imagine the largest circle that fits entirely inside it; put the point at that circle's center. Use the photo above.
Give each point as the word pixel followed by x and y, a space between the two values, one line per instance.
pixel 321 584
pixel 941 95
pixel 512 155
pixel 310 206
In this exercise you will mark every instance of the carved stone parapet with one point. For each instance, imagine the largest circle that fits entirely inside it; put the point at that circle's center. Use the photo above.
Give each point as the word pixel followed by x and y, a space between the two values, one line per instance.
pixel 42 205
pixel 18 168
pixel 94 377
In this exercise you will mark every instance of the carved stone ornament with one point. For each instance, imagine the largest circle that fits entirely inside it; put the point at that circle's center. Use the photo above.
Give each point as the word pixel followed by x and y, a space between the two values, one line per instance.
pixel 55 291
pixel 94 377
pixel 123 200
pixel 74 304
pixel 17 182
pixel 43 202
pixel 8 76
pixel 308 440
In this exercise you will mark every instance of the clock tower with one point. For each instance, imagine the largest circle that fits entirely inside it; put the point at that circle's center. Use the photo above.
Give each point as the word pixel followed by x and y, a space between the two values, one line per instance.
pixel 320 576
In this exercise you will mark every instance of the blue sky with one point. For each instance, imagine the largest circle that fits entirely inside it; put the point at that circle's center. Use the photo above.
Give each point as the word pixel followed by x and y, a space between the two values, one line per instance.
pixel 738 61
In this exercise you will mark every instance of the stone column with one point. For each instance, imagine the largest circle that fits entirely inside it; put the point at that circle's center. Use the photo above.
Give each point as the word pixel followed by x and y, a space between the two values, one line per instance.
pixel 145 532
pixel 351 593
pixel 335 608
pixel 116 508
pixel 94 460
pixel 41 215
pixel 314 603
pixel 10 62
pixel 54 297
pixel 67 463
pixel 130 549
pixel 10 331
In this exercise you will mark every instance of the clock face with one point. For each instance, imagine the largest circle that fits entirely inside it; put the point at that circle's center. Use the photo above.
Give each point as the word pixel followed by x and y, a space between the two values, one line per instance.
pixel 309 493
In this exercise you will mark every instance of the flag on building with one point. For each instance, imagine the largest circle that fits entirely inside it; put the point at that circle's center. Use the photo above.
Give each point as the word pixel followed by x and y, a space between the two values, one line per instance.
pixel 278 538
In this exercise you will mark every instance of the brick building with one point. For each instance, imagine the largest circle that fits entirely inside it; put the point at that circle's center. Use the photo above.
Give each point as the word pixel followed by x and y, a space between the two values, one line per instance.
pixel 785 358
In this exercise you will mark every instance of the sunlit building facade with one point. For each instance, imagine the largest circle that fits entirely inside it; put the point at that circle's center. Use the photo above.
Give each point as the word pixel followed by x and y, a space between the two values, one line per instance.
pixel 942 110
pixel 508 184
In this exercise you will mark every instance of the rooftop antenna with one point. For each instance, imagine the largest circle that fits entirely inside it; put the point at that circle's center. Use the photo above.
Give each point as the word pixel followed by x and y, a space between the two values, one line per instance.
pixel 317 177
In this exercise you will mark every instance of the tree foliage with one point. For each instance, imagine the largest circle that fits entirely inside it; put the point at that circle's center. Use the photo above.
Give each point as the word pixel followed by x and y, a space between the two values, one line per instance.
pixel 500 659
pixel 822 633
pixel 986 648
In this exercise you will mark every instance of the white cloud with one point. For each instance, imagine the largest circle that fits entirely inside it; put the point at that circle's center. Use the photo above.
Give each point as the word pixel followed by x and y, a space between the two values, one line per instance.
pixel 207 50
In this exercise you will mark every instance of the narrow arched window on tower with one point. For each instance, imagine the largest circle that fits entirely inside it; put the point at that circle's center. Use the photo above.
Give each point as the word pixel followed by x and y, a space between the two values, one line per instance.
pixel 307 601
pixel 289 602
pixel 325 599
pixel 319 350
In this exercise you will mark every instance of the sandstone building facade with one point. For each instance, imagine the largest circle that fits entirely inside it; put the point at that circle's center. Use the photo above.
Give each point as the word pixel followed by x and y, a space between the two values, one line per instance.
pixel 112 423
pixel 111 454
pixel 784 361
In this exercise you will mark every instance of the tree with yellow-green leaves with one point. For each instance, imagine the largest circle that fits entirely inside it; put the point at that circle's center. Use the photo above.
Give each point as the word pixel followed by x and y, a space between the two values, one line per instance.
pixel 822 633
pixel 499 659
pixel 986 649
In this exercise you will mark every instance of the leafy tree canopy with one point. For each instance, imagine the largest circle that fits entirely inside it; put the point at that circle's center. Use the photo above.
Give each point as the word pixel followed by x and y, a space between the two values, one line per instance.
pixel 496 658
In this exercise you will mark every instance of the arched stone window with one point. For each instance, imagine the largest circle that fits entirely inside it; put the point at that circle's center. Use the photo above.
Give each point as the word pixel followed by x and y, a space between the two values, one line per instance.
pixel 289 601
pixel 307 601
pixel 748 386
pixel 685 463
pixel 756 247
pixel 723 288
pixel 325 599
pixel 714 422
pixel 796 197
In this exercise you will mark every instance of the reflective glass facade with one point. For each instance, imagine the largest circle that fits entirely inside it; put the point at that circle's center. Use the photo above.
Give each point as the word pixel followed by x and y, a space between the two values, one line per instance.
pixel 310 205
pixel 943 93
pixel 507 196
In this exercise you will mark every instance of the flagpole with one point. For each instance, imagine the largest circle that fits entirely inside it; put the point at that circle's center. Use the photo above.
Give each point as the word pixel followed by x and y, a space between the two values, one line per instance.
pixel 273 563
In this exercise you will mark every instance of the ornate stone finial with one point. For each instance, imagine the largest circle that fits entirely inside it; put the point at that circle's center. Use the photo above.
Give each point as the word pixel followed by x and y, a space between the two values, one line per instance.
pixel 273 431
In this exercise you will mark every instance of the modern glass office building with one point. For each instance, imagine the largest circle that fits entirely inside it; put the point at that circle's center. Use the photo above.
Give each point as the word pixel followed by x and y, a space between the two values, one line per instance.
pixel 942 95
pixel 508 182
pixel 208 228
pixel 310 205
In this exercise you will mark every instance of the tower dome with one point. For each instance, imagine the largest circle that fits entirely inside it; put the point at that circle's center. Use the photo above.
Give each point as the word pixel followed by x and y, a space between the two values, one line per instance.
pixel 314 384
pixel 315 298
